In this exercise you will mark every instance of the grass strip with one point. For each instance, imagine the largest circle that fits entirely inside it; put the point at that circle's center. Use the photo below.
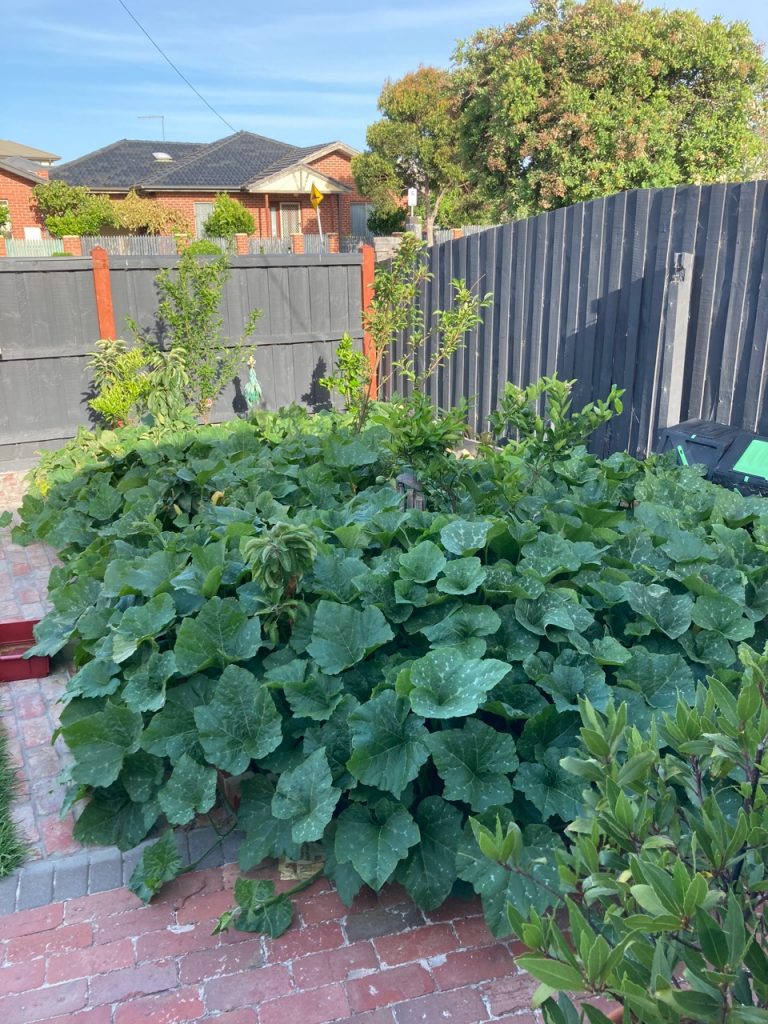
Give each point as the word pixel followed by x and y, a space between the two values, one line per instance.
pixel 13 848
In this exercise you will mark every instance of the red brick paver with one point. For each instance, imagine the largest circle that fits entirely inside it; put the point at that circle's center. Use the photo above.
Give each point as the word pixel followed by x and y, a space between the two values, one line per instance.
pixel 107 959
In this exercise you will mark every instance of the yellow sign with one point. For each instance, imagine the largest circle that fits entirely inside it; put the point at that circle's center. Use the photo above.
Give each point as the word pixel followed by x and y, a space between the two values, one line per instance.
pixel 316 196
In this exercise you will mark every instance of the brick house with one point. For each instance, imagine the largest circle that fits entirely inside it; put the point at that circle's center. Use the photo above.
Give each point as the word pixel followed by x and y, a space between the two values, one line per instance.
pixel 271 179
pixel 21 168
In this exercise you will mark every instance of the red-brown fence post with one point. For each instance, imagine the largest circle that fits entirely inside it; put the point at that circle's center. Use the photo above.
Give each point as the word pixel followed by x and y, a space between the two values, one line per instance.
pixel 3 250
pixel 368 271
pixel 332 238
pixel 297 245
pixel 241 243
pixel 102 288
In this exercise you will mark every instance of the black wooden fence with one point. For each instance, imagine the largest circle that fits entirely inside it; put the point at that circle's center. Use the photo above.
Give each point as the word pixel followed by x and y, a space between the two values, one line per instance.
pixel 48 325
pixel 663 292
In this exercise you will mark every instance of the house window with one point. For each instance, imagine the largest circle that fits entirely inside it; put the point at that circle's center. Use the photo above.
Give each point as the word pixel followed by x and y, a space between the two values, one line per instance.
pixel 202 212
pixel 290 219
pixel 33 234
pixel 360 213
pixel 5 217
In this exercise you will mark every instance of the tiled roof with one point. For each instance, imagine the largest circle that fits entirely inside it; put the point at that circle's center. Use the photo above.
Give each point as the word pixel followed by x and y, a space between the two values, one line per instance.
pixel 227 165
pixel 122 164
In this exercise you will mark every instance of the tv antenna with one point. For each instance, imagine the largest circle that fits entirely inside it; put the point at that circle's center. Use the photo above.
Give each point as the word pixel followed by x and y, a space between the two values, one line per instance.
pixel 154 117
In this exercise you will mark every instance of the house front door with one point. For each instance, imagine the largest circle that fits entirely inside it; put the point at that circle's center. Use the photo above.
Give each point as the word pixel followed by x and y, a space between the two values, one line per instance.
pixel 290 219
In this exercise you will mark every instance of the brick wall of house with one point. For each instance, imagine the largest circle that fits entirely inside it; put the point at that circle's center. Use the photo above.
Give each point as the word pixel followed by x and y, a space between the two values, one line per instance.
pixel 18 192
pixel 185 203
pixel 338 165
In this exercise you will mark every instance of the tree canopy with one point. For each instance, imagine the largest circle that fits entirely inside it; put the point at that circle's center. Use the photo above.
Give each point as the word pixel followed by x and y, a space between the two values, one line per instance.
pixel 581 100
pixel 414 145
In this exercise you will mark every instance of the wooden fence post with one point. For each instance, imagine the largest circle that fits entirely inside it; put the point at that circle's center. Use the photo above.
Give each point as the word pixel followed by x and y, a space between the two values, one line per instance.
pixel 102 288
pixel 675 339
pixel 368 271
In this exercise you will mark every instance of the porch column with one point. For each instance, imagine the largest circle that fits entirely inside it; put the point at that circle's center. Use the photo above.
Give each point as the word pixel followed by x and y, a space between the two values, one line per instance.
pixel 267 218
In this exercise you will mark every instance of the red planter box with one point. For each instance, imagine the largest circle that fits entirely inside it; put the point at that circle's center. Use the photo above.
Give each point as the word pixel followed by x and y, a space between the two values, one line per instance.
pixel 15 639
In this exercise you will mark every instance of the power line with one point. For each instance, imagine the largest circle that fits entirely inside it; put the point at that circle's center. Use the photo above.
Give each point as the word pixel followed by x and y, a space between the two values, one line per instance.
pixel 168 60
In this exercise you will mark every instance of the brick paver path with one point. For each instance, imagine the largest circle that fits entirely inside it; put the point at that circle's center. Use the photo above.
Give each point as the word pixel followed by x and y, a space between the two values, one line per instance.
pixel 105 958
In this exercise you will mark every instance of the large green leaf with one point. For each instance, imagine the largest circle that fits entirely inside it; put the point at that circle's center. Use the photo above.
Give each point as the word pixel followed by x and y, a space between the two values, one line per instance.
pixel 374 839
pixel 111 818
pixel 190 790
pixel 669 613
pixel 724 616
pixel 335 577
pixel 553 608
pixel 462 624
pixel 265 835
pixel 423 563
pixel 241 722
pixel 447 684
pixel 140 623
pixel 306 798
pixel 158 864
pixel 388 743
pixel 462 537
pixel 144 688
pixel 342 636
pixel 573 676
pixel 474 763
pixel 659 677
pixel 549 556
pixel 430 870
pixel 550 788
pixel 513 642
pixel 684 546
pixel 100 742
pixel 147 575
pixel 221 633
pixel 462 576
pixel 51 634
pixel 172 731
pixel 316 696
pixel 204 573
pixel 142 775
pixel 261 909
pixel 97 678
pixel 349 454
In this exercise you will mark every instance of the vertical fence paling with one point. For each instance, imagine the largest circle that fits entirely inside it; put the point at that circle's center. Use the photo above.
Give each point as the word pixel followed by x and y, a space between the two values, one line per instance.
pixel 131 245
pixel 663 292
pixel 33 247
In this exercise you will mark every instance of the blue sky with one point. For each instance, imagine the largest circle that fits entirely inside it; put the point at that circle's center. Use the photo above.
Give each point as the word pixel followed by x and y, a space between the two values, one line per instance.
pixel 76 76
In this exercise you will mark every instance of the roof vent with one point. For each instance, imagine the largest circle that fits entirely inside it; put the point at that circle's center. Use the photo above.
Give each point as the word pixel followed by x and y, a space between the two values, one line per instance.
pixel 162 157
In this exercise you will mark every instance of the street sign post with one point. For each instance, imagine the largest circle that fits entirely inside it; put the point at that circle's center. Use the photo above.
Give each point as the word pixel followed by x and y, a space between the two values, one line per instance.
pixel 316 197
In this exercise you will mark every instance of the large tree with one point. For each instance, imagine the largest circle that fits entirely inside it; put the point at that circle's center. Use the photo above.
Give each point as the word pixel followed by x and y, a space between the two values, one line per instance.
pixel 414 145
pixel 580 100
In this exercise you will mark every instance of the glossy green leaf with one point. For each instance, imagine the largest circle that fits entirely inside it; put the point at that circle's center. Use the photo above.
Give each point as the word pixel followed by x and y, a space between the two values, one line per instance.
pixel 374 839
pixel 474 762
pixel 343 636
pixel 240 724
pixel 219 634
pixel 446 684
